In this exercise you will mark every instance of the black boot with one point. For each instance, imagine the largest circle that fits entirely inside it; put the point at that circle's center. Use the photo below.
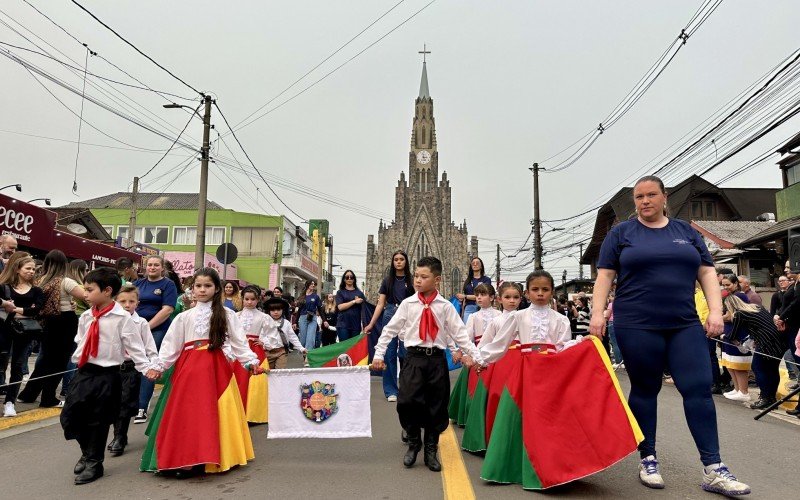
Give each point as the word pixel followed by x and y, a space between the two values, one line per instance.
pixel 762 403
pixel 431 448
pixel 81 465
pixel 94 455
pixel 120 441
pixel 414 445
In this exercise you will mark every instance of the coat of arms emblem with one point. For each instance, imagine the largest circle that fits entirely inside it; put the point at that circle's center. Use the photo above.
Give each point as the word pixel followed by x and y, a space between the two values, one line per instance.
pixel 318 401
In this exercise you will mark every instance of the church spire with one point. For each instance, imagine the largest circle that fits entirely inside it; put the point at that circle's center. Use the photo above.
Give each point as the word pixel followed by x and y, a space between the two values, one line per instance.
pixel 423 84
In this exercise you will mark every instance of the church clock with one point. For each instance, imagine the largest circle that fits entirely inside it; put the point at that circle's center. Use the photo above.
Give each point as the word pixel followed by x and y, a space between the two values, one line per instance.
pixel 423 157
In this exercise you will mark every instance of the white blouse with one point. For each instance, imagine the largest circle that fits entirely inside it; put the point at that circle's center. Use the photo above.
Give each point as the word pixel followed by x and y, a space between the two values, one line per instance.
pixel 534 325
pixel 479 321
pixel 195 324
pixel 253 321
pixel 492 328
pixel 119 339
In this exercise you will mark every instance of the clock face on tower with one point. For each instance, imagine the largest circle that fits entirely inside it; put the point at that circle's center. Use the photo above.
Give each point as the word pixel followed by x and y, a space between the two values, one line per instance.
pixel 423 157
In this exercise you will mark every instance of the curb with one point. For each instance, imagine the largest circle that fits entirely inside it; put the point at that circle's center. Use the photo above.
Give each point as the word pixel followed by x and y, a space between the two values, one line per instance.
pixel 28 417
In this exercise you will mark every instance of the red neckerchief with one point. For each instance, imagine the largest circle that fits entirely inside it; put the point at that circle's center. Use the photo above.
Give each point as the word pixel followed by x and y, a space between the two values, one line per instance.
pixel 93 335
pixel 427 324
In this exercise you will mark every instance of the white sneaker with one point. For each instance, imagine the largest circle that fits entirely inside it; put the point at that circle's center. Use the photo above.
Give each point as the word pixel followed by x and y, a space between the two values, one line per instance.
pixel 738 396
pixel 392 399
pixel 9 410
pixel 718 479
pixel 730 393
pixel 649 473
pixel 140 417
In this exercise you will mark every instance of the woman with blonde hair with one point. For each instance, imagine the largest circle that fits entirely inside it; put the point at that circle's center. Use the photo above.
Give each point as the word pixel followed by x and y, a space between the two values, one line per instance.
pixel 767 343
pixel 737 361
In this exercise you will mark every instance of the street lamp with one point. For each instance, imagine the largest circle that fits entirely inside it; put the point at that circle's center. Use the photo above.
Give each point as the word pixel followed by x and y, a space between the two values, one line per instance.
pixel 202 195
pixel 46 200
pixel 17 186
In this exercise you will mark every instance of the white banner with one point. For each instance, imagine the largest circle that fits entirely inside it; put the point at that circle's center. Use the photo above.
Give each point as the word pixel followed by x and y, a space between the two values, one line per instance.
pixel 320 403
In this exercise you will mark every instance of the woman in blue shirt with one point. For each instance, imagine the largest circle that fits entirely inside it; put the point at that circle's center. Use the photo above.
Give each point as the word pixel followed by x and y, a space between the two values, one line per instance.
pixel 310 306
pixel 656 261
pixel 157 299
pixel 397 285
pixel 475 276
pixel 350 303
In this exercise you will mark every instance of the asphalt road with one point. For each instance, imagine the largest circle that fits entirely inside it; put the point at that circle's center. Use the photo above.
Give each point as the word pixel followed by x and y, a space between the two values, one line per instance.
pixel 38 464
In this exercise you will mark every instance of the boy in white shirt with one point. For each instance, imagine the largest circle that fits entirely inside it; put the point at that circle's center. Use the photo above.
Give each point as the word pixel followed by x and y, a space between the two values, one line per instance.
pixel 128 298
pixel 427 321
pixel 105 333
pixel 277 334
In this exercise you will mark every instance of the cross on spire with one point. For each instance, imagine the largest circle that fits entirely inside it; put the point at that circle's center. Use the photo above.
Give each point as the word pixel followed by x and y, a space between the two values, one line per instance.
pixel 424 52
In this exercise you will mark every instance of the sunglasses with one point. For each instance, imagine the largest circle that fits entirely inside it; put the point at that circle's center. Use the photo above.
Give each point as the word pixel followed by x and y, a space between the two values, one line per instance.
pixel 349 277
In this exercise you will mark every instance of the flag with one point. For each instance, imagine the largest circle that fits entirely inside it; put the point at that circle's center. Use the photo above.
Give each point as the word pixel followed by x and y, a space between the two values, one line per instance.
pixel 351 352
pixel 319 403
pixel 540 438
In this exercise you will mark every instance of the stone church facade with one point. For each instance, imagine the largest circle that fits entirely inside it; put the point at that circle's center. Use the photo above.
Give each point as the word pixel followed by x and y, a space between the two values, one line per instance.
pixel 422 224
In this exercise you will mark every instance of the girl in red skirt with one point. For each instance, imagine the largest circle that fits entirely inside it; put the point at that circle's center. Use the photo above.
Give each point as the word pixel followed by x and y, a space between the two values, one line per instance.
pixel 199 424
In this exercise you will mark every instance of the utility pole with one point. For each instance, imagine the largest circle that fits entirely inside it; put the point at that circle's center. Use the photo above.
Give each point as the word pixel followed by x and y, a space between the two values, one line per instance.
pixel 497 269
pixel 330 256
pixel 580 266
pixel 537 221
pixel 130 240
pixel 202 197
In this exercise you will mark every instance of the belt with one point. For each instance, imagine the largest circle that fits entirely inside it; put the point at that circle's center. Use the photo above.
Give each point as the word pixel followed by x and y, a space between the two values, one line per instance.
pixel 92 368
pixel 127 365
pixel 425 351
pixel 195 344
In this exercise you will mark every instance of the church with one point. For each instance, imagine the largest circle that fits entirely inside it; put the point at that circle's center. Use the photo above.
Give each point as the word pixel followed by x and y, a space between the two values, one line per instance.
pixel 422 224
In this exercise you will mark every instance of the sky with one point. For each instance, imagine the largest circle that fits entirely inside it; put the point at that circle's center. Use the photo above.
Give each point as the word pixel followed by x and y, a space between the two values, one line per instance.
pixel 513 83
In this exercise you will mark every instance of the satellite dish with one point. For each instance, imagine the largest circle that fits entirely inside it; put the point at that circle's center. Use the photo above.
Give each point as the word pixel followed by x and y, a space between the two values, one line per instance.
pixel 77 228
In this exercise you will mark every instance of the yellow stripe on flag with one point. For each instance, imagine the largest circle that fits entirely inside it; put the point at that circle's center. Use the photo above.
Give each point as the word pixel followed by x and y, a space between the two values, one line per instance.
pixel 637 432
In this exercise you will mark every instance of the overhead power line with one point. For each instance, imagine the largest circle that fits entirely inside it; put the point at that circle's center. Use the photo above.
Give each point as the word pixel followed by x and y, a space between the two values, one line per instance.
pixel 134 47
pixel 334 70
pixel 641 87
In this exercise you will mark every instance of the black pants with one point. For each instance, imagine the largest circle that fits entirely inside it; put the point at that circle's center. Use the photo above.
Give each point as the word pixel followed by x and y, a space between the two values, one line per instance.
pixel 712 353
pixel 424 392
pixel 93 400
pixel 131 381
pixel 768 376
pixel 57 341
pixel 13 348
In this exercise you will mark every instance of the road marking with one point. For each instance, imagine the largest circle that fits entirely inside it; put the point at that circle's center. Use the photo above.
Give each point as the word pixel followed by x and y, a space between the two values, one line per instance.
pixel 27 417
pixel 455 480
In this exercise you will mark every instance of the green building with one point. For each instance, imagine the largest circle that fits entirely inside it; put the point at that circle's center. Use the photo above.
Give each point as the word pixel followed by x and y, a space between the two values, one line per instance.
pixel 271 249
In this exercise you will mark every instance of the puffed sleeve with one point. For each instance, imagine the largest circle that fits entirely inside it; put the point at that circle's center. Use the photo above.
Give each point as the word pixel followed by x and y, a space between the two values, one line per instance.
pixel 497 347
pixel 237 340
pixel 174 339
pixel 562 331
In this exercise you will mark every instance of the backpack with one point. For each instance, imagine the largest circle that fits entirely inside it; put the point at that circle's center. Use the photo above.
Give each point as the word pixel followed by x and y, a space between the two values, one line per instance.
pixel 52 301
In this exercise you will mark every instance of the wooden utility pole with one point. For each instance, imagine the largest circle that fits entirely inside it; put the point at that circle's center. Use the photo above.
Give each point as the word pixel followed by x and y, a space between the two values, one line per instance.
pixel 497 268
pixel 130 241
pixel 202 196
pixel 537 221
pixel 580 266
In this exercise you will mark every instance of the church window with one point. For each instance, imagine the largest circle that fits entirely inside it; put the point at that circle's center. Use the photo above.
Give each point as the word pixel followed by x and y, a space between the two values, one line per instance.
pixel 456 281
pixel 424 137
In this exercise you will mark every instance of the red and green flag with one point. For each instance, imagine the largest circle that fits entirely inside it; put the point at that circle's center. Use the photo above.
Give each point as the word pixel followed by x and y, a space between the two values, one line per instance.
pixel 351 352
pixel 540 438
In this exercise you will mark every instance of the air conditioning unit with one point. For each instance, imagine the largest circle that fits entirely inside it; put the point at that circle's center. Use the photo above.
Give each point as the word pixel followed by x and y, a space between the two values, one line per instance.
pixel 794 250
pixel 766 217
